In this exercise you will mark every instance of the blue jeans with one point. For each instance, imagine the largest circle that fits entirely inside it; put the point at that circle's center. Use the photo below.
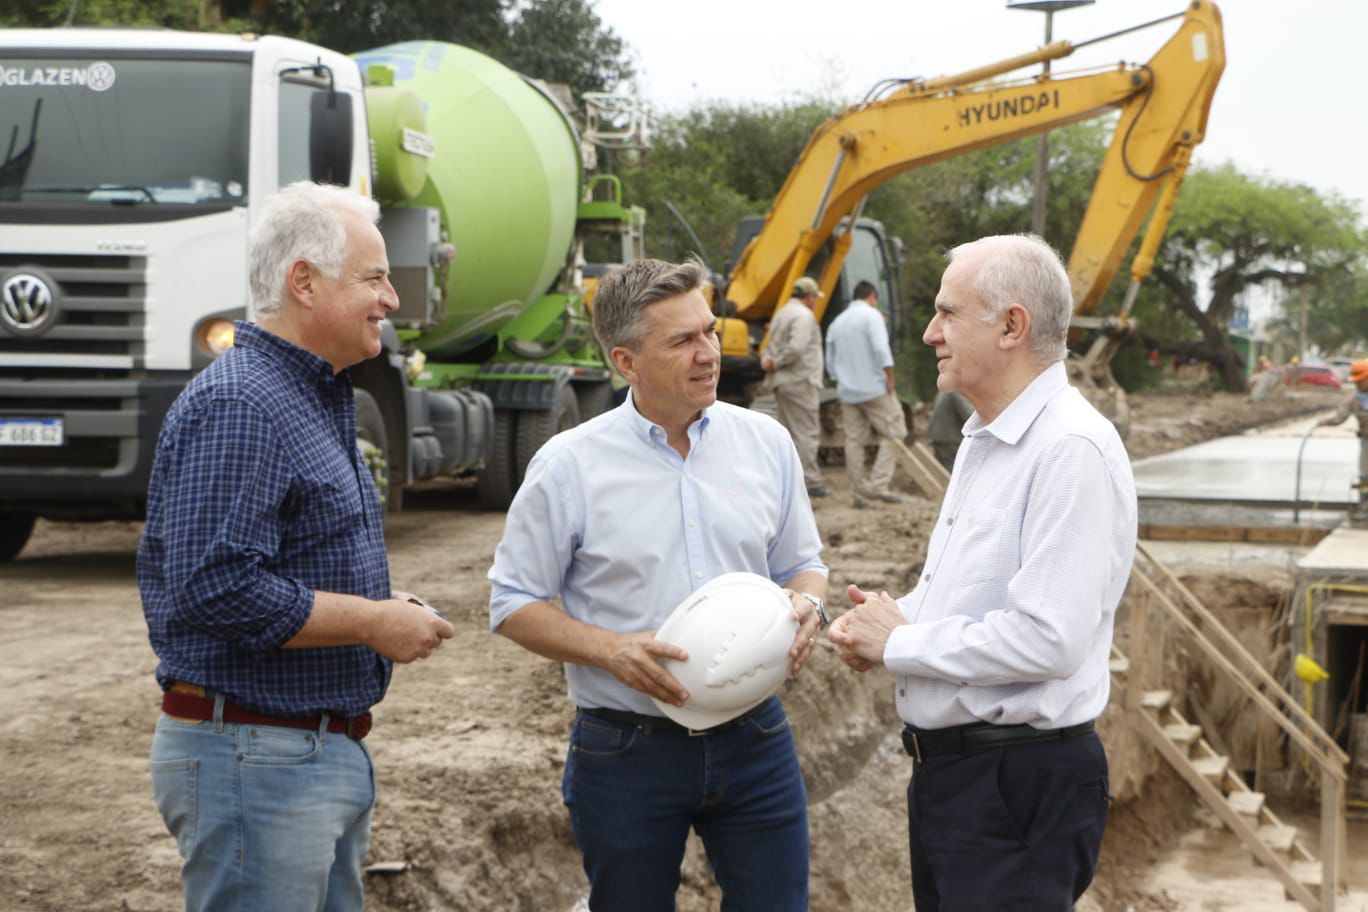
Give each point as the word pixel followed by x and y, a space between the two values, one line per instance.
pixel 633 796
pixel 265 817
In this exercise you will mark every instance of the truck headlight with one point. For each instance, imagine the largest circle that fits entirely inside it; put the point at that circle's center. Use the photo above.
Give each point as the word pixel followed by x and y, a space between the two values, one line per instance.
pixel 214 337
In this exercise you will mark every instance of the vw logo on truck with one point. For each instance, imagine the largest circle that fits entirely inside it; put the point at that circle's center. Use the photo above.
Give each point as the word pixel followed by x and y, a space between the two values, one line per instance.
pixel 27 304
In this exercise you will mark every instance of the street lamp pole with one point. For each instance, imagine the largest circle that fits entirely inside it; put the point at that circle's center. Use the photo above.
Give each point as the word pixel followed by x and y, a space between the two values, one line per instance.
pixel 1042 162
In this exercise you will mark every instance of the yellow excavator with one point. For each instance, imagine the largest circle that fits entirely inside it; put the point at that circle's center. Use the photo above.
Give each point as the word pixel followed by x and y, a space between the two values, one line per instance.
pixel 814 220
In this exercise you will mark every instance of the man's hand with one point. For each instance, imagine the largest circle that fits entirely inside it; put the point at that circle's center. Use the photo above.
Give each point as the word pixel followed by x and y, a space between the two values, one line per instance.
pixel 768 364
pixel 632 659
pixel 861 634
pixel 404 630
pixel 805 613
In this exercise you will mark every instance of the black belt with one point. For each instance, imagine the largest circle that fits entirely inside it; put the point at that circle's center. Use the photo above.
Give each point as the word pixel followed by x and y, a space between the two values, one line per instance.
pixel 966 739
pixel 649 724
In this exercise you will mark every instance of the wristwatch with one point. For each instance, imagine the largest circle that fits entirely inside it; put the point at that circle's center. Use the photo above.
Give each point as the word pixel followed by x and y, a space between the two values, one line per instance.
pixel 823 619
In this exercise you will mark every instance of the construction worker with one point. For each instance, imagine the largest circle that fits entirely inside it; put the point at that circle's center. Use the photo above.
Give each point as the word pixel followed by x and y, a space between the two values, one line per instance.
pixel 1000 652
pixel 860 360
pixel 618 521
pixel 793 363
pixel 1356 403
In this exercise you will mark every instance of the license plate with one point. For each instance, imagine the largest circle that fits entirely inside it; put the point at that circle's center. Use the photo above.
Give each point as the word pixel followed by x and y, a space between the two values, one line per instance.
pixel 31 432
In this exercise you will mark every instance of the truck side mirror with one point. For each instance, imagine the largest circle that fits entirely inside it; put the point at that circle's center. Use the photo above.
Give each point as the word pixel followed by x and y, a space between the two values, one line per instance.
pixel 330 137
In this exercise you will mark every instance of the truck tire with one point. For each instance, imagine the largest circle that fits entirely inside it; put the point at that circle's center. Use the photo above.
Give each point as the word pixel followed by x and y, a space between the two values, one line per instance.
pixel 498 480
pixel 594 399
pixel 15 529
pixel 535 428
pixel 373 441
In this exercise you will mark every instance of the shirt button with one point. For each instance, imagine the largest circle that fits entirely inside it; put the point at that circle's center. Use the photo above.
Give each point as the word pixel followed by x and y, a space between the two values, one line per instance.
pixel 927 578
pixel 950 521
pixel 902 692
pixel 693 522
pixel 699 574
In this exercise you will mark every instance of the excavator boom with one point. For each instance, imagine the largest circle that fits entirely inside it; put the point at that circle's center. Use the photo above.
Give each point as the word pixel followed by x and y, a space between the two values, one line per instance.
pixel 1164 105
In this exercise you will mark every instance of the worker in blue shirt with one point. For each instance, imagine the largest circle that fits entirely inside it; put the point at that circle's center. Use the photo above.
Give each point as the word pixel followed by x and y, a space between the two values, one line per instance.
pixel 265 582
pixel 619 520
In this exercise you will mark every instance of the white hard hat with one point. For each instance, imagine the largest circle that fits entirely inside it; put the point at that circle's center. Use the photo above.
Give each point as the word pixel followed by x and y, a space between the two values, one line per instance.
pixel 737 630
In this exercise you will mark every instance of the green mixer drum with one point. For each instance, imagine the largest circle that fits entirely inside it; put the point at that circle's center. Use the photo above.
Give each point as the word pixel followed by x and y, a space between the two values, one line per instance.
pixel 505 176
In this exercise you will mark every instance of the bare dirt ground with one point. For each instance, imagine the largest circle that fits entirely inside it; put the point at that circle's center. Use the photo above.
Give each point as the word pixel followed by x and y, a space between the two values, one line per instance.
pixel 469 745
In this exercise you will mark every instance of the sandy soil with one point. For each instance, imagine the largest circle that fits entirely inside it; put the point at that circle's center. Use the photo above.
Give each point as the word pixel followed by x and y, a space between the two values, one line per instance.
pixel 469 745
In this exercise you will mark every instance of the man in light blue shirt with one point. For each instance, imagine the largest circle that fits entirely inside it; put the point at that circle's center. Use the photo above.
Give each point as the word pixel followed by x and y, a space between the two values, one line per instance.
pixel 621 519
pixel 859 359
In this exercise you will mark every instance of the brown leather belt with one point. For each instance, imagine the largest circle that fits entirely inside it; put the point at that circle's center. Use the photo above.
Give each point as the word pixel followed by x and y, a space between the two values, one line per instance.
pixel 201 709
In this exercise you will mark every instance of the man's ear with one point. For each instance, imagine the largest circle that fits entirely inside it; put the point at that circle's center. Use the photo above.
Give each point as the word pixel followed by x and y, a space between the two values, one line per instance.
pixel 624 359
pixel 1016 327
pixel 301 282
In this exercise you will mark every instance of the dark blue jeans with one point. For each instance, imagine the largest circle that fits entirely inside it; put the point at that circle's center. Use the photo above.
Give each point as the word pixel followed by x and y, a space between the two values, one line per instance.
pixel 1009 829
pixel 633 797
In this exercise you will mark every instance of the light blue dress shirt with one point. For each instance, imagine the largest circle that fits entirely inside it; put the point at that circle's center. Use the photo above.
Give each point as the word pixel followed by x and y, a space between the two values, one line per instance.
pixel 857 352
pixel 613 521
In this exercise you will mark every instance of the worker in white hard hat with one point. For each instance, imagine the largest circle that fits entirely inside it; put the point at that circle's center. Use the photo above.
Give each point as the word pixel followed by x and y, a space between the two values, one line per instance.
pixel 1356 404
pixel 1000 654
pixel 617 522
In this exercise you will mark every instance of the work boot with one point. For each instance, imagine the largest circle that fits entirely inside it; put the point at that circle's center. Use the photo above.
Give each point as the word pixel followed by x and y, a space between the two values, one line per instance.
pixel 859 502
pixel 888 497
pixel 819 490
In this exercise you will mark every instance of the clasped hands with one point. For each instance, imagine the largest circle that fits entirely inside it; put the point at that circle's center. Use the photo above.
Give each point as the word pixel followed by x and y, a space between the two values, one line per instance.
pixel 861 634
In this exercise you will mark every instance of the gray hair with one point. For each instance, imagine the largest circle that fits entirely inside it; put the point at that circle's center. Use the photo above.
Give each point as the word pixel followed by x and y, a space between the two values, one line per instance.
pixel 300 222
pixel 624 293
pixel 1023 269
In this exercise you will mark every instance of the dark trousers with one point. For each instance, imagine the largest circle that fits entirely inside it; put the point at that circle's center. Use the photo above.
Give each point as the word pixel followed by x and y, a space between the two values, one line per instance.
pixel 1012 828
pixel 633 796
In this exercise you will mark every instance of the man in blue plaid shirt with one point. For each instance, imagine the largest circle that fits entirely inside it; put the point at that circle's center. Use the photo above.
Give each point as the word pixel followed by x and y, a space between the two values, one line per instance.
pixel 265 582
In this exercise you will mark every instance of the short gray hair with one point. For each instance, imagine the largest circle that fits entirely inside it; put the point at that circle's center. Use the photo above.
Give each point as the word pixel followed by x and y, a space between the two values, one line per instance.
pixel 300 222
pixel 624 293
pixel 1023 269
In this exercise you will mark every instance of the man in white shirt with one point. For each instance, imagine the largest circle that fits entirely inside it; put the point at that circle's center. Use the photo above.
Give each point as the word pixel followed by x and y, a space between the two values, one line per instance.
pixel 1000 653
pixel 619 520
pixel 793 366
pixel 860 360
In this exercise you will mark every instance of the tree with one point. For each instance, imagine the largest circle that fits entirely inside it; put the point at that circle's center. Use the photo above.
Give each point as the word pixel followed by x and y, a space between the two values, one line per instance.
pixel 1243 231
pixel 565 41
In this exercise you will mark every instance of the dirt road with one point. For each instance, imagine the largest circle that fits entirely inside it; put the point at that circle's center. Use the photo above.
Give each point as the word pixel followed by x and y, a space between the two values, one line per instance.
pixel 469 745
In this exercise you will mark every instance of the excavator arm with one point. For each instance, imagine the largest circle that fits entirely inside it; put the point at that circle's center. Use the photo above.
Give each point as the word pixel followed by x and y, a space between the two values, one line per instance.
pixel 1164 105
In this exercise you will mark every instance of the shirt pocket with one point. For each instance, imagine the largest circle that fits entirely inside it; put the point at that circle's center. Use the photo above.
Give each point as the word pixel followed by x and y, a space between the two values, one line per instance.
pixel 979 549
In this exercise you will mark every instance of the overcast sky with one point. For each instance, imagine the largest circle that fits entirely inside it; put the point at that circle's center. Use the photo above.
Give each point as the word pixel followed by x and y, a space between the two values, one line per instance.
pixel 1290 105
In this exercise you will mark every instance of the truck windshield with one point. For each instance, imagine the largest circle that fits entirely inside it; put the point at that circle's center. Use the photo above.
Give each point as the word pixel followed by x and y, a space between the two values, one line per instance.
pixel 125 132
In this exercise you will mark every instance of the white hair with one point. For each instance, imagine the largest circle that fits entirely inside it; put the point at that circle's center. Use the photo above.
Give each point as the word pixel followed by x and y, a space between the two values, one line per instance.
pixel 300 222
pixel 1023 269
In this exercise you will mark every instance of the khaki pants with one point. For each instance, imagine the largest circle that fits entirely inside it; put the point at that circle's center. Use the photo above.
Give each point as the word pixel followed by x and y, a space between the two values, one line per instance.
pixel 866 423
pixel 798 405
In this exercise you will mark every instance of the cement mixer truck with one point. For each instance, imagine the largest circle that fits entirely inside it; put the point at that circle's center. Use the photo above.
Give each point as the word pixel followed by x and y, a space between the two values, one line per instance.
pixel 135 164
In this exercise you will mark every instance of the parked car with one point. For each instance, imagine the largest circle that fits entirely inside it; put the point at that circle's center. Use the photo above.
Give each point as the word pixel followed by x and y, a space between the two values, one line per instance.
pixel 1311 375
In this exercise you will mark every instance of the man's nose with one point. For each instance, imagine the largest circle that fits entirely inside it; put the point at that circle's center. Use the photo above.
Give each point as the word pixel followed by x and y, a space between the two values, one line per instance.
pixel 933 331
pixel 389 297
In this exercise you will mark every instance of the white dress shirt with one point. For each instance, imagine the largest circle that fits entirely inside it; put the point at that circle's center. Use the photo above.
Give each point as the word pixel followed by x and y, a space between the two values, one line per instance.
pixel 857 352
pixel 612 520
pixel 1011 621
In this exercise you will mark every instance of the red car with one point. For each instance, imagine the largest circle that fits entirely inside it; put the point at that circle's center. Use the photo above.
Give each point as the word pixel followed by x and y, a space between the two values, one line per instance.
pixel 1311 375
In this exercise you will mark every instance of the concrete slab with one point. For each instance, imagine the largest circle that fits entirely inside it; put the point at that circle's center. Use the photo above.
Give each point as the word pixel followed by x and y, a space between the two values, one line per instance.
pixel 1342 552
pixel 1254 469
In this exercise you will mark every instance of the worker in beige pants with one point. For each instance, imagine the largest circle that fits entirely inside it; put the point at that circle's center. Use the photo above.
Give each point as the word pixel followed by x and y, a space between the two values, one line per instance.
pixel 793 366
pixel 859 359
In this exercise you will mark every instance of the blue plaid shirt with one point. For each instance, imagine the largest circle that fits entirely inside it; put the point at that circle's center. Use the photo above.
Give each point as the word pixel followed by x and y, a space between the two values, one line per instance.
pixel 258 497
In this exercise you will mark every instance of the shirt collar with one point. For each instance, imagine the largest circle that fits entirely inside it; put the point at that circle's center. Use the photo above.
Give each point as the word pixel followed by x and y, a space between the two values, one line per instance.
pixel 647 430
pixel 1016 419
pixel 293 358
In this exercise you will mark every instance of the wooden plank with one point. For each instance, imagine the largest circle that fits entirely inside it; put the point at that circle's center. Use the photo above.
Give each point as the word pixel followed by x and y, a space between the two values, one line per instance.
pixel 1211 768
pixel 1277 836
pixel 1290 535
pixel 1247 803
pixel 922 467
pixel 1156 699
pixel 1149 727
pixel 1183 734
pixel 1119 665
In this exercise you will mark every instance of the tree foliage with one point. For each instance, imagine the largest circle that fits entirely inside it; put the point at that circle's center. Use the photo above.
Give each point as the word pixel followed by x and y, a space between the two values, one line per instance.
pixel 554 40
pixel 1231 232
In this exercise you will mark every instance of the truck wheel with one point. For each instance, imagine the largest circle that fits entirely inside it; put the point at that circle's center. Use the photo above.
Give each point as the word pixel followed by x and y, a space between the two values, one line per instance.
pixel 15 529
pixel 373 442
pixel 535 428
pixel 498 479
pixel 594 399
